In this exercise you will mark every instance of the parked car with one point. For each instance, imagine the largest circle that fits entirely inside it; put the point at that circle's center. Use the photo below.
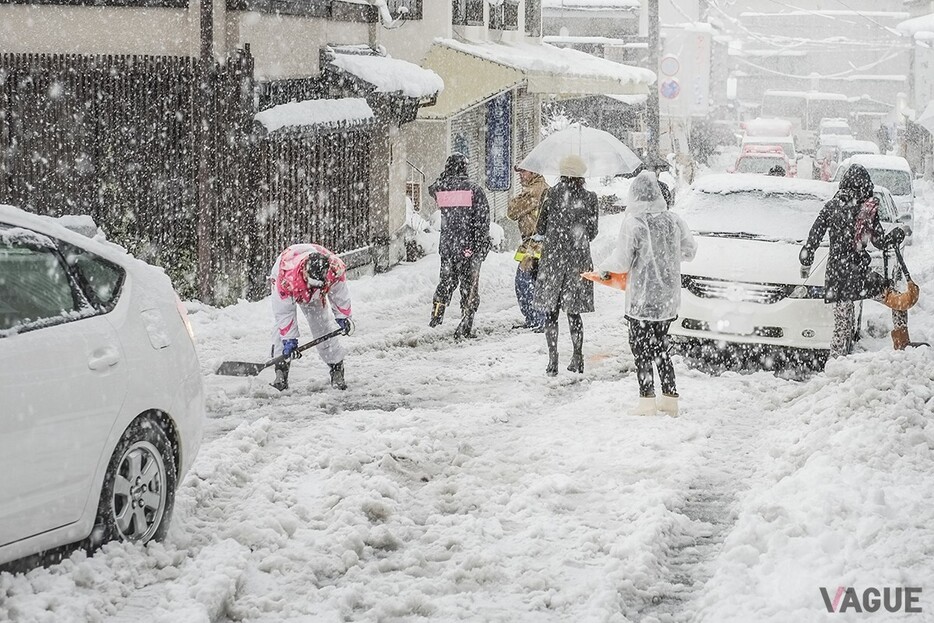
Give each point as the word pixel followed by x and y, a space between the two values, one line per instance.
pixel 787 143
pixel 744 286
pixel 100 387
pixel 761 158
pixel 891 172
pixel 848 148
pixel 833 130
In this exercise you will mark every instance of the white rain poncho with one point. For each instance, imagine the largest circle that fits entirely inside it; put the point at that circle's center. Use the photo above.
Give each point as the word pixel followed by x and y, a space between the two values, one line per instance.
pixel 652 244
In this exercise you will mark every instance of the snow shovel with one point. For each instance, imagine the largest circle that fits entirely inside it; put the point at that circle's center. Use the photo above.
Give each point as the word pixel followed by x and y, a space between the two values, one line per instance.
pixel 246 368
pixel 616 281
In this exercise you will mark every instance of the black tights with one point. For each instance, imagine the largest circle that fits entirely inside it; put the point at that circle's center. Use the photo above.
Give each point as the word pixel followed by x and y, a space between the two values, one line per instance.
pixel 576 326
pixel 648 340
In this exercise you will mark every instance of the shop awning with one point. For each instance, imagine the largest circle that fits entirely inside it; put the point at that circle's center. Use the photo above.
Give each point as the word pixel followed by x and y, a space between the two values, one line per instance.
pixel 474 72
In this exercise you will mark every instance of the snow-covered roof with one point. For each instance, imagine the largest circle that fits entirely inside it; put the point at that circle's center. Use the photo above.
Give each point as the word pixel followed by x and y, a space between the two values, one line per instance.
pixel 808 95
pixel 829 13
pixel 391 75
pixel 723 183
pixel 616 42
pixel 591 5
pixel 878 161
pixel 348 110
pixel 918 25
pixel 632 100
pixel 544 58
pixel 475 71
pixel 767 126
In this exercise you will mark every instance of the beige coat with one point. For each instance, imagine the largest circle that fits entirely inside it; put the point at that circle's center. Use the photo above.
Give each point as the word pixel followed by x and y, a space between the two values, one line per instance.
pixel 524 207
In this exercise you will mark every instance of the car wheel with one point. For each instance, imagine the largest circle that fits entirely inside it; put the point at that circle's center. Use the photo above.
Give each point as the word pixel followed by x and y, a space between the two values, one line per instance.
pixel 138 494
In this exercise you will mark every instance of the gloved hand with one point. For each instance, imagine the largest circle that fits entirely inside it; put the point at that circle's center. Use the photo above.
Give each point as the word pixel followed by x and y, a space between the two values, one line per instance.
pixel 468 252
pixel 346 325
pixel 538 238
pixel 605 275
pixel 290 349
pixel 896 237
pixel 805 271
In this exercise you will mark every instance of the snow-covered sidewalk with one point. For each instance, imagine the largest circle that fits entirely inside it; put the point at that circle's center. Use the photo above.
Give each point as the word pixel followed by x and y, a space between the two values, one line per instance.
pixel 456 482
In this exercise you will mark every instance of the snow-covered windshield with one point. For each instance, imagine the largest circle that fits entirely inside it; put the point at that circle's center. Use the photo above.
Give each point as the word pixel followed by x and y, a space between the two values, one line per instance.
pixel 898 182
pixel 752 213
pixel 748 164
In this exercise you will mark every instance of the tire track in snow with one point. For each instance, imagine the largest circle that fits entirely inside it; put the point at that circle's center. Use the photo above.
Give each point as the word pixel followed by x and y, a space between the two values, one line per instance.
pixel 729 463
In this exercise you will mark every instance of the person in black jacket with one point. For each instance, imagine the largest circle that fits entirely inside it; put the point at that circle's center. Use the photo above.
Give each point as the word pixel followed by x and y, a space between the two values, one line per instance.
pixel 852 220
pixel 465 241
pixel 567 224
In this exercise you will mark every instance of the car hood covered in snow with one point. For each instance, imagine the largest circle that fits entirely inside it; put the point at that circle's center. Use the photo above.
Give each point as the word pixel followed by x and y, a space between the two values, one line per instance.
pixel 752 261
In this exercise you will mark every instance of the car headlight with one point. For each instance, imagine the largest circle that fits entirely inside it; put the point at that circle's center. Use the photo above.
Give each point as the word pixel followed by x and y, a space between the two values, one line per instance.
pixel 806 292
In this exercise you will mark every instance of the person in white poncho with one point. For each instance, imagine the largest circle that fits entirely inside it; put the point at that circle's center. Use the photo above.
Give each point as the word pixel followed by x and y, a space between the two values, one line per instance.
pixel 652 244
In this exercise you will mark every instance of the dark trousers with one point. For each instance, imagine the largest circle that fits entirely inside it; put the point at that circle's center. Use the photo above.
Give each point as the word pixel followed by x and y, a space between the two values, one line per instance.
pixel 525 294
pixel 649 342
pixel 466 272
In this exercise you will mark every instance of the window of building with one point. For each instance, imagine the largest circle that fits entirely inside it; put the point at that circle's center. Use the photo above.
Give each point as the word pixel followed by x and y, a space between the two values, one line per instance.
pixel 412 8
pixel 467 12
pixel 533 17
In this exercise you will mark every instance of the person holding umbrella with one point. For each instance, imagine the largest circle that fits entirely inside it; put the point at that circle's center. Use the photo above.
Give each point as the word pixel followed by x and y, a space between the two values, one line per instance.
pixel 652 243
pixel 566 225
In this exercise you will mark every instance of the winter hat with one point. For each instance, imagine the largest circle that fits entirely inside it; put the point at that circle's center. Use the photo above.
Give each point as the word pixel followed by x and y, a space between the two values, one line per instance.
pixel 572 166
pixel 316 270
pixel 456 165
pixel 856 184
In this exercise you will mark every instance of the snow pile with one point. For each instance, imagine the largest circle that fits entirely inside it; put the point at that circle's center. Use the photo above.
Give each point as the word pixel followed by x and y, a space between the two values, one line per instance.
pixel 315 112
pixel 838 498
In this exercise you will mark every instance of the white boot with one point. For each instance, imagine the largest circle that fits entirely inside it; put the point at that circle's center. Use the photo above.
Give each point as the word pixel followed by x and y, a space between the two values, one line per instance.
pixel 668 405
pixel 645 406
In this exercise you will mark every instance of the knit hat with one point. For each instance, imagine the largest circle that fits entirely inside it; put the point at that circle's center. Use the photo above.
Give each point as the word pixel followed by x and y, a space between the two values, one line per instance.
pixel 572 166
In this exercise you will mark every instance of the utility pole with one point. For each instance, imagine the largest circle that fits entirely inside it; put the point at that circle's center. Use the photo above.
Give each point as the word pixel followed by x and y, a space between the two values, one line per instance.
pixel 652 114
pixel 203 124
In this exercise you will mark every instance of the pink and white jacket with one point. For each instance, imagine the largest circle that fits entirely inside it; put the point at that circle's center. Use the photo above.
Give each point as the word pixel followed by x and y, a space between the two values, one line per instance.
pixel 290 287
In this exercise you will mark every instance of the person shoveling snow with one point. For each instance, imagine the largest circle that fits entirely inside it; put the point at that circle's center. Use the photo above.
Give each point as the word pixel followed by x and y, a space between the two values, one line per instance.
pixel 313 279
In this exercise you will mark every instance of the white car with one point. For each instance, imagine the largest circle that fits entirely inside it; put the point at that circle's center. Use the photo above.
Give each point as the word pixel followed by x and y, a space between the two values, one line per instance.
pixel 100 387
pixel 744 286
pixel 892 172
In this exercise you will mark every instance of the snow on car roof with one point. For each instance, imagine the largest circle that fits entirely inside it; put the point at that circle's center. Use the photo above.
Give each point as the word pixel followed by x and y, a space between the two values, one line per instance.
pixel 740 182
pixel 51 226
pixel 856 145
pixel 878 161
pixel 774 140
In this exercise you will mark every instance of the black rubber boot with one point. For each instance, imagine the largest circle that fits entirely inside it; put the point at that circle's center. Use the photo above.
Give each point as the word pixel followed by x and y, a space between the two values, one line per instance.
pixel 577 341
pixel 551 336
pixel 282 376
pixel 437 314
pixel 465 328
pixel 337 375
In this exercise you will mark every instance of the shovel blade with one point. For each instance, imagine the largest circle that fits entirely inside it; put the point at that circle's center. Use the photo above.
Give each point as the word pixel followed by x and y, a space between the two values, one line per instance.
pixel 240 368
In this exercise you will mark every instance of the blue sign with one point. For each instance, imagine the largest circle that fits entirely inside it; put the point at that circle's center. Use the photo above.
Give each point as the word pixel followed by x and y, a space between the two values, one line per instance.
pixel 670 89
pixel 499 142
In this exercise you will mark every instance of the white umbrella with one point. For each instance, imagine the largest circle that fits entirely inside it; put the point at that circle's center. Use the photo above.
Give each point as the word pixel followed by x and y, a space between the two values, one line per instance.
pixel 926 120
pixel 604 153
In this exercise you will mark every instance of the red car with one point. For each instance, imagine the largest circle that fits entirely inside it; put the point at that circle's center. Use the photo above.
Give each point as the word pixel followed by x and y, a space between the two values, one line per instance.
pixel 761 159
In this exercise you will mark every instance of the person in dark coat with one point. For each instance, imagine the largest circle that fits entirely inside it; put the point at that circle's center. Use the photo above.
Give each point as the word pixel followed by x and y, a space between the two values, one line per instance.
pixel 566 225
pixel 465 241
pixel 852 220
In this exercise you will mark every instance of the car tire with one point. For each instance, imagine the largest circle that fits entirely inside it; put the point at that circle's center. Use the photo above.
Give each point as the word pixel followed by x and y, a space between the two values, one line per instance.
pixel 138 493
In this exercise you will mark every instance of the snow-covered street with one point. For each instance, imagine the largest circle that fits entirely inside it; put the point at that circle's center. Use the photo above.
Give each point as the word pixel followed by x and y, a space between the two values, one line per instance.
pixel 454 481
